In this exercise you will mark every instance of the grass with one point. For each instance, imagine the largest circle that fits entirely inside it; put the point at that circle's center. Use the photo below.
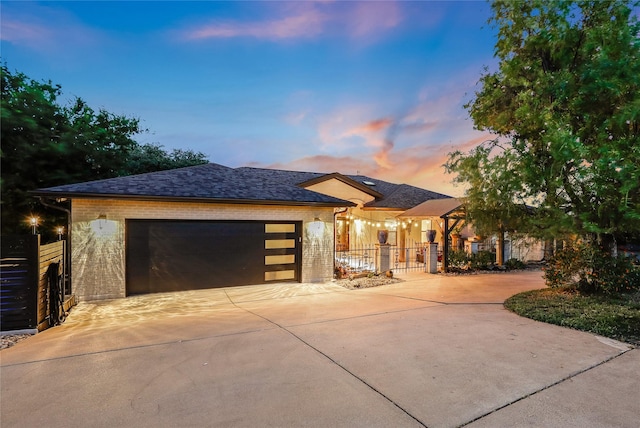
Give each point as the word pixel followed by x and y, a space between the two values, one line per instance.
pixel 616 317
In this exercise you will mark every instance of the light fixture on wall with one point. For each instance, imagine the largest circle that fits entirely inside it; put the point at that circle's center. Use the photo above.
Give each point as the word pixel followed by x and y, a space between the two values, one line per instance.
pixel 316 228
pixel 102 227
pixel 102 221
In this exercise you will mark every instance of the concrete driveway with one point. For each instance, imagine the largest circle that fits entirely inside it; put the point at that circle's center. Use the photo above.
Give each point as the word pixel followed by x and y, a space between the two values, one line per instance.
pixel 431 351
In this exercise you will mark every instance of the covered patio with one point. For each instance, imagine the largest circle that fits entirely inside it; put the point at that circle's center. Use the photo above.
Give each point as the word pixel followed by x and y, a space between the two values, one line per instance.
pixel 447 215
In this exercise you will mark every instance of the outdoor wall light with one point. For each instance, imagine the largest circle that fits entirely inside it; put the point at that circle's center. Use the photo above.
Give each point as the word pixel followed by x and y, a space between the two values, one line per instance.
pixel 102 220
pixel 59 231
pixel 102 227
pixel 316 228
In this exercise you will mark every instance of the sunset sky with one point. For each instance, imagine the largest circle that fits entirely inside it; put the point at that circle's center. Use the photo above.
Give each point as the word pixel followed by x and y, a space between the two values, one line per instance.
pixel 375 88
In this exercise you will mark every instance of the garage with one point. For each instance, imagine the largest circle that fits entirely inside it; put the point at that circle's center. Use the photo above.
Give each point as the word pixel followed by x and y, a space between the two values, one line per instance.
pixel 178 255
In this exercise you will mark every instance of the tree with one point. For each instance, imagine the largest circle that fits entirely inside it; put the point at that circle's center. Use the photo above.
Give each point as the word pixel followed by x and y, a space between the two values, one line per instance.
pixel 47 144
pixel 491 201
pixel 565 107
pixel 152 157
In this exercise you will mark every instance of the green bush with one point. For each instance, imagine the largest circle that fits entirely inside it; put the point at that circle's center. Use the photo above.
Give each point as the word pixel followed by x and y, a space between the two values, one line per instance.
pixel 482 260
pixel 458 259
pixel 592 270
pixel 562 269
pixel 514 264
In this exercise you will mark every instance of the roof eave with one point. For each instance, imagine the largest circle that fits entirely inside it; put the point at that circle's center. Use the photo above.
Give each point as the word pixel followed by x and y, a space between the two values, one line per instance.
pixel 81 195
pixel 369 208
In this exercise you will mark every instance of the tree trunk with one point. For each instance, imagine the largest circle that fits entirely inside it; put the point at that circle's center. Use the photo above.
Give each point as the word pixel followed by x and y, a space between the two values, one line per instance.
pixel 548 249
pixel 608 243
pixel 500 250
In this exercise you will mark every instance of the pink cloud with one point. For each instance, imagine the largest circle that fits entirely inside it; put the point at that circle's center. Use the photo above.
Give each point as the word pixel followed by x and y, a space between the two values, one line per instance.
pixel 295 118
pixel 419 166
pixel 402 147
pixel 375 125
pixel 422 170
pixel 308 23
pixel 47 30
pixel 324 163
pixel 307 20
pixel 24 33
pixel 382 156
pixel 368 18
pixel 350 127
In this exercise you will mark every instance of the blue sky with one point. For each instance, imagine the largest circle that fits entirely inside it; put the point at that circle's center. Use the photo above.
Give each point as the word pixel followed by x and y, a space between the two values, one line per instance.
pixel 375 88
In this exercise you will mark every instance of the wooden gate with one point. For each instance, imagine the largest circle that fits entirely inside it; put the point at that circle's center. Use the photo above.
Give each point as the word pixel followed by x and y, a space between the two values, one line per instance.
pixel 32 284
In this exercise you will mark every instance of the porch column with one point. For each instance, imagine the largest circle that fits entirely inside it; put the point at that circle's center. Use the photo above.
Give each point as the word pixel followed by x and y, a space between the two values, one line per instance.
pixel 445 252
pixel 384 257
pixel 431 258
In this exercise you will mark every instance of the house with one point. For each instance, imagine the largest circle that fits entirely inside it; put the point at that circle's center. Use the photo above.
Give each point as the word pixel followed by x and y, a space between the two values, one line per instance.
pixel 210 226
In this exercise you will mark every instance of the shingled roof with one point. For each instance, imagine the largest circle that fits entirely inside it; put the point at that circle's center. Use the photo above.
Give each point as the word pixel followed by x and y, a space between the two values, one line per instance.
pixel 398 196
pixel 217 183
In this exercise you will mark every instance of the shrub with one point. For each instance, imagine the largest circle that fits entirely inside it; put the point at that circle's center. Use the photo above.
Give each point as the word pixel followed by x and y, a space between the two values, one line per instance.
pixel 562 269
pixel 592 270
pixel 514 264
pixel 459 259
pixel 482 260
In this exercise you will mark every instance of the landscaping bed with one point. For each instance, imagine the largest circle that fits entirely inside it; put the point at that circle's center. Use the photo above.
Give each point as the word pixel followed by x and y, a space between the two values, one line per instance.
pixel 366 281
pixel 8 340
pixel 613 316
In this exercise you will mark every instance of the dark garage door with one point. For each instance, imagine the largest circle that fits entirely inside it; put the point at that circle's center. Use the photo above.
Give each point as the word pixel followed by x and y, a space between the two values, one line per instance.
pixel 165 255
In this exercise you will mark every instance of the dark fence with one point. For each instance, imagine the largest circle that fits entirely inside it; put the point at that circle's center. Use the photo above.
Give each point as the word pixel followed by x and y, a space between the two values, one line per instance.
pixel 365 258
pixel 31 283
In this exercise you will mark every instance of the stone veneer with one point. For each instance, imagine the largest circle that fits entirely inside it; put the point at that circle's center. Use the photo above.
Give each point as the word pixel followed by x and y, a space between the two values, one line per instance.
pixel 98 253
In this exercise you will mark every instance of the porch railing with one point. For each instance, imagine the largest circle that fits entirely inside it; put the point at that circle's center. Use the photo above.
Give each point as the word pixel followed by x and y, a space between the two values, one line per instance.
pixel 365 258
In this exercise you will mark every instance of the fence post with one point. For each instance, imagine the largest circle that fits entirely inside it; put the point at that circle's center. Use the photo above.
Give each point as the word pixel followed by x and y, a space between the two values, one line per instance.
pixel 424 257
pixel 431 258
pixel 382 257
pixel 406 259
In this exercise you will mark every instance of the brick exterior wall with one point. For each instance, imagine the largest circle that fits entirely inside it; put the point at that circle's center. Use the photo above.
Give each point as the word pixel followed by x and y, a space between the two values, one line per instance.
pixel 98 246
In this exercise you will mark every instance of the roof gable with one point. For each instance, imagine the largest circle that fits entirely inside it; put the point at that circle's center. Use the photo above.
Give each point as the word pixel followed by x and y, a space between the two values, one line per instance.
pixel 336 176
pixel 398 197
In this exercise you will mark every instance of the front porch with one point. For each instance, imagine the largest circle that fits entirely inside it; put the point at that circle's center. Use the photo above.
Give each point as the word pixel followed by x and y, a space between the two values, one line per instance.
pixel 366 259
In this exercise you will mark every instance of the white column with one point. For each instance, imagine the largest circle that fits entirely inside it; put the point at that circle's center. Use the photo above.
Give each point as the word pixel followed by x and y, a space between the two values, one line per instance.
pixel 431 258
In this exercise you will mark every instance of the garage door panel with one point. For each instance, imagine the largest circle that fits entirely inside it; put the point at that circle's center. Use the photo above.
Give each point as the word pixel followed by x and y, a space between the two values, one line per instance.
pixel 183 255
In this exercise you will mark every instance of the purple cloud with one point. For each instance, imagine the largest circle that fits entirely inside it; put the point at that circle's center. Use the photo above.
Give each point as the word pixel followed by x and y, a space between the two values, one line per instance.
pixel 307 20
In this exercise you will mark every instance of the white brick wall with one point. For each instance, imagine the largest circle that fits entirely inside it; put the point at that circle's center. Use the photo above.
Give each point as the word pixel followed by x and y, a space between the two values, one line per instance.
pixel 98 248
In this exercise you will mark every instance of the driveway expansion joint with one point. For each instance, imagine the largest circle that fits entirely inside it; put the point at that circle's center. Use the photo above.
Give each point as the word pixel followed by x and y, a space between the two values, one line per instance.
pixel 439 302
pixel 337 364
pixel 544 388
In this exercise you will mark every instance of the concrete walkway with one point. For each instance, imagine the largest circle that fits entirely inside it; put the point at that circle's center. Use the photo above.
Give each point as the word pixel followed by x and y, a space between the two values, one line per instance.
pixel 431 351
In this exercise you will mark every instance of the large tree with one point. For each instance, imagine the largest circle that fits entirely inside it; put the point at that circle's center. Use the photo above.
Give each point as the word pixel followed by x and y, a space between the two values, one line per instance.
pixel 493 191
pixel 46 143
pixel 564 105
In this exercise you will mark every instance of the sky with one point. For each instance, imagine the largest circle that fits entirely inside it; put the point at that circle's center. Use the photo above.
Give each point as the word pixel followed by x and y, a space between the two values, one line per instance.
pixel 374 88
